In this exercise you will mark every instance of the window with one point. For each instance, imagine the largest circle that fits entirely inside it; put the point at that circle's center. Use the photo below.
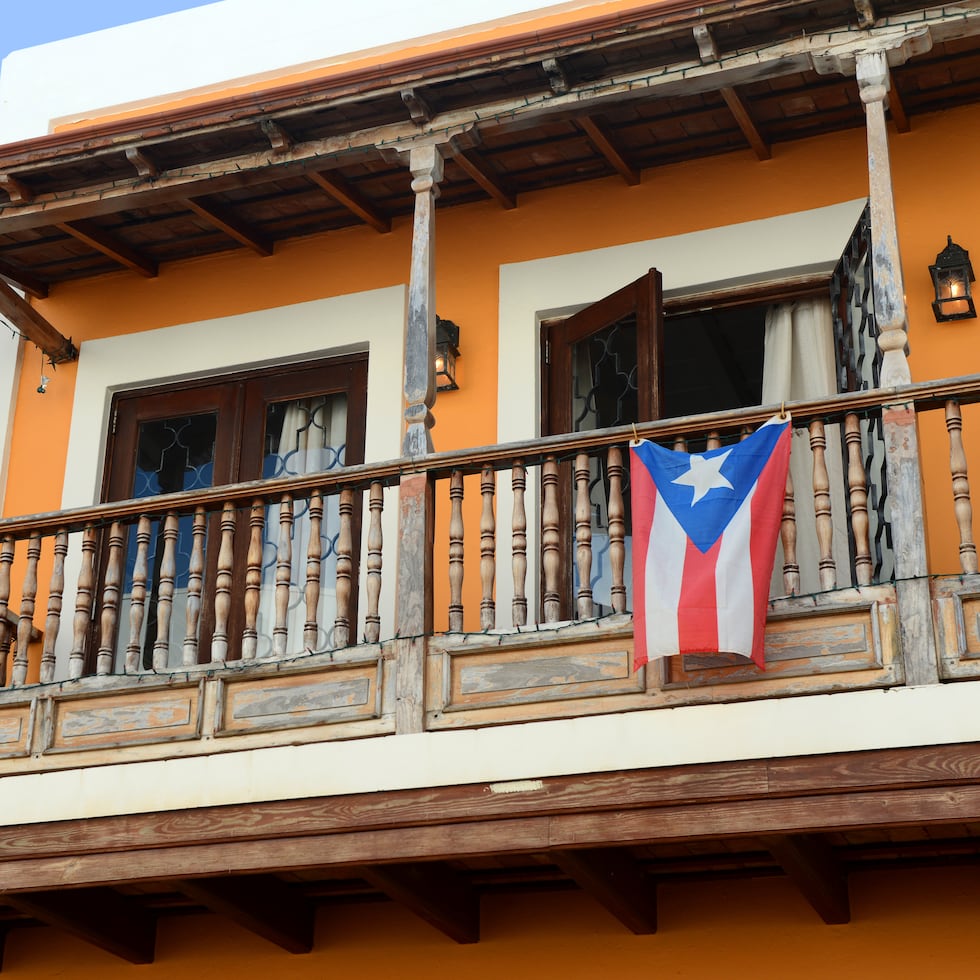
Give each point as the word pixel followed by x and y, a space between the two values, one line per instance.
pixel 269 424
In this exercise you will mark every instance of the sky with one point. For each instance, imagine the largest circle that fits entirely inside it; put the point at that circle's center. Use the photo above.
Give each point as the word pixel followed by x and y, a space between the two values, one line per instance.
pixel 24 24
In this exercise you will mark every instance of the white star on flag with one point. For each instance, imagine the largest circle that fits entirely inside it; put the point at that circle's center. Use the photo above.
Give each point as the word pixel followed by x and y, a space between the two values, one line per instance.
pixel 705 475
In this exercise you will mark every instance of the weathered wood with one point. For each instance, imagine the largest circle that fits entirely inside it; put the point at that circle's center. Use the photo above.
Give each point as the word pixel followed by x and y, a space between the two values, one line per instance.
pixel 616 881
pixel 56 347
pixel 787 536
pixel 345 564
pixel 821 506
pixel 813 867
pixel 426 164
pixel 22 279
pixel 262 904
pixel 550 541
pixel 456 532
pixel 56 592
pixel 346 194
pixel 253 578
pixel 375 543
pixel 314 556
pixel 222 586
pixel 480 172
pixel 98 916
pixel 165 591
pixel 583 538
pixel 518 546
pixel 616 512
pixel 25 621
pixel 110 600
pixel 435 893
pixel 413 598
pixel 284 573
pixel 224 219
pixel 195 588
pixel 488 550
pixel 742 116
pixel 109 245
pixel 962 504
pixel 857 486
pixel 137 599
pixel 144 164
pixel 602 141
pixel 83 605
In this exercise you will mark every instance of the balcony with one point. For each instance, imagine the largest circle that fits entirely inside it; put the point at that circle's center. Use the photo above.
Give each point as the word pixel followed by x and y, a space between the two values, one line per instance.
pixel 258 641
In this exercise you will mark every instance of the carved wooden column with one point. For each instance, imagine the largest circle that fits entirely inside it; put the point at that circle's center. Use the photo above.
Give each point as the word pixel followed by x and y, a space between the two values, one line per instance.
pixel 899 421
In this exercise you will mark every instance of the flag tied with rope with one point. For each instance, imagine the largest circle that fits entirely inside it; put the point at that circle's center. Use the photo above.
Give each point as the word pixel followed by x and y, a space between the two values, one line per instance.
pixel 704 544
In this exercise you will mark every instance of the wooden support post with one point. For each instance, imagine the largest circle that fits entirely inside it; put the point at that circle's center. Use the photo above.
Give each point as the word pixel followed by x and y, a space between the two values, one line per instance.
pixel 903 460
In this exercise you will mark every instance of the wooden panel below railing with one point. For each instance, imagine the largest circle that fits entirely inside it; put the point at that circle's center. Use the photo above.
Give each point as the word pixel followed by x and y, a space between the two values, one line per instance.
pixel 956 607
pixel 16 730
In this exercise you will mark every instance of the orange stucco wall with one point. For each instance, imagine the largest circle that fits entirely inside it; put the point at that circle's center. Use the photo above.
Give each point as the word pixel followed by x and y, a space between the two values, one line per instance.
pixel 473 241
pixel 904 926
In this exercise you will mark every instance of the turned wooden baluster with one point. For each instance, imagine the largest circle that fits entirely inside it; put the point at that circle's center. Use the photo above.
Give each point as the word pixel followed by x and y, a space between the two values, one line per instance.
pixel 962 507
pixel 616 512
pixel 787 534
pixel 284 571
pixel 680 444
pixel 137 602
pixel 56 592
pixel 110 600
pixel 222 585
pixel 25 624
pixel 83 605
pixel 857 488
pixel 821 506
pixel 550 540
pixel 345 567
pixel 314 555
pixel 456 552
pixel 713 441
pixel 6 559
pixel 195 587
pixel 583 537
pixel 518 604
pixel 165 593
pixel 488 550
pixel 375 542
pixel 253 580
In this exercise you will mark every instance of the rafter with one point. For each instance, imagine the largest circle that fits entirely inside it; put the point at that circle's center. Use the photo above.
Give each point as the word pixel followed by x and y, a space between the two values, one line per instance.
pixel 102 241
pixel 98 916
pixel 434 892
pixel 599 137
pixel 22 279
pixel 262 904
pixel 813 867
pixel 351 198
pixel 479 171
pixel 616 881
pixel 35 327
pixel 897 108
pixel 745 123
pixel 223 219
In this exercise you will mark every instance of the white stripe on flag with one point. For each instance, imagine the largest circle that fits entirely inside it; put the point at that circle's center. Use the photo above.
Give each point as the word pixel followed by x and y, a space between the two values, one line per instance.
pixel 664 572
pixel 733 582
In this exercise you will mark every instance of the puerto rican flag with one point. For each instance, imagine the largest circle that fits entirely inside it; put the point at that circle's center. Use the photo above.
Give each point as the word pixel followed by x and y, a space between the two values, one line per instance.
pixel 704 544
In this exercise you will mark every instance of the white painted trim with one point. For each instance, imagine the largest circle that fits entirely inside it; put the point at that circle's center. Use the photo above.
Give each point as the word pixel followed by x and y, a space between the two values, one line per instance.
pixel 778 728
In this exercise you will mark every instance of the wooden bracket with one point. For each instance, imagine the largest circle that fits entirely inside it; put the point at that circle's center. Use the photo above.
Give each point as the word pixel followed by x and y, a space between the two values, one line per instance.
pixel 418 108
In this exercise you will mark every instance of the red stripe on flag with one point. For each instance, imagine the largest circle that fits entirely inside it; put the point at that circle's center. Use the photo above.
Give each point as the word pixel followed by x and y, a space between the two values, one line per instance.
pixel 643 499
pixel 697 613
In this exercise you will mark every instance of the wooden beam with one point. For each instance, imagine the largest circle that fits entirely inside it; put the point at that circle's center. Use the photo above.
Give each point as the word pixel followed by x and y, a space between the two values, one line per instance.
pixel 897 108
pixel 262 904
pixel 600 139
pixel 435 893
pixel 102 241
pixel 557 78
pixel 98 916
pixel 223 219
pixel 16 190
pixel 813 867
pixel 745 123
pixel 616 881
pixel 478 170
pixel 22 279
pixel 351 198
pixel 34 327
pixel 144 165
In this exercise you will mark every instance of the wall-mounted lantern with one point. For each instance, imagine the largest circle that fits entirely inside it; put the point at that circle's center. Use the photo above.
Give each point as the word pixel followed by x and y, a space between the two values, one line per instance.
pixel 951 278
pixel 447 351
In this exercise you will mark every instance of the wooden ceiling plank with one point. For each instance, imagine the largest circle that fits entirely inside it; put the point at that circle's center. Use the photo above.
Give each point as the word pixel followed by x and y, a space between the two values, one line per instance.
pixel 897 108
pixel 745 122
pixel 352 199
pixel 435 893
pixel 102 241
pixel 22 279
pixel 99 916
pixel 144 165
pixel 813 867
pixel 479 171
pixel 262 904
pixel 617 882
pixel 16 189
pixel 35 327
pixel 223 219
pixel 600 139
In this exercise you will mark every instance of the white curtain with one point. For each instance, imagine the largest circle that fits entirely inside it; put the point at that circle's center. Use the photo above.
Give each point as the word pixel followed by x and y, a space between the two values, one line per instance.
pixel 800 364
